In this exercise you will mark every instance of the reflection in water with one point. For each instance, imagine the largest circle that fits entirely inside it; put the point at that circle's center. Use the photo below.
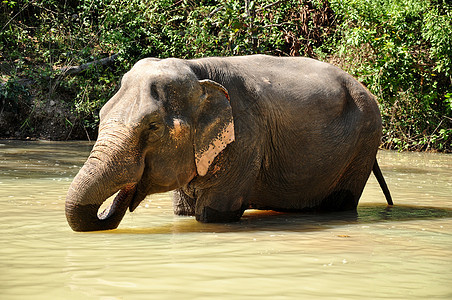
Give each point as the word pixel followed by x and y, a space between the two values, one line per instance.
pixel 395 252
pixel 255 220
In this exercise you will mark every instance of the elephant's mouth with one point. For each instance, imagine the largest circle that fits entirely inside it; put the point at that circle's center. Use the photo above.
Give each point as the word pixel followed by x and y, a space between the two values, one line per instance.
pixel 125 198
pixel 138 197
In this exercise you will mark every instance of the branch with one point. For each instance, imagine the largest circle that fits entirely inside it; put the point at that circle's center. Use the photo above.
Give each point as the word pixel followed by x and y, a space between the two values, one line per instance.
pixel 213 12
pixel 22 9
pixel 22 81
pixel 70 70
pixel 268 6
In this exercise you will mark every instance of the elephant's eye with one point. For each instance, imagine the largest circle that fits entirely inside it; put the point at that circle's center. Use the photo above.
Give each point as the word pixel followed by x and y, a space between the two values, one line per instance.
pixel 153 126
pixel 155 131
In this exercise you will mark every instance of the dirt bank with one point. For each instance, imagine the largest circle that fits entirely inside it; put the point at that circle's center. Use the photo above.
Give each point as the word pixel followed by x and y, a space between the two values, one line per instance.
pixel 27 114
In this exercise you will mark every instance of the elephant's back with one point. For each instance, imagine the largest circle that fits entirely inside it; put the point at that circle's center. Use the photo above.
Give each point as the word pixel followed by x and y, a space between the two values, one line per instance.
pixel 293 84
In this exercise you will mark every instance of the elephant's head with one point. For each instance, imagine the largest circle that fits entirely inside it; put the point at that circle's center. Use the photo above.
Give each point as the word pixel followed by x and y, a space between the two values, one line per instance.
pixel 160 130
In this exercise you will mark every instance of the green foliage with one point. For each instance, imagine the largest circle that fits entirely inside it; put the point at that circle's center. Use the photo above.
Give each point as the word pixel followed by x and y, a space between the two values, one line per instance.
pixel 402 50
pixel 48 34
pixel 12 95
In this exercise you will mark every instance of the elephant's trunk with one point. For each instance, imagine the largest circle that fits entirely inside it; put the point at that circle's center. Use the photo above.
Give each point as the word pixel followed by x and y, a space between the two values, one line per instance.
pixel 111 167
pixel 84 199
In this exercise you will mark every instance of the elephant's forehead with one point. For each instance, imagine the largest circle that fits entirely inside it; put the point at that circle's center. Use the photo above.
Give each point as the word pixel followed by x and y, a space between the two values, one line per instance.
pixel 147 87
pixel 164 71
pixel 127 108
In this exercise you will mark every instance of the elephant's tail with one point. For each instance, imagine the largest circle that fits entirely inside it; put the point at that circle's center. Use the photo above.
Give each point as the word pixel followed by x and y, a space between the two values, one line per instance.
pixel 382 182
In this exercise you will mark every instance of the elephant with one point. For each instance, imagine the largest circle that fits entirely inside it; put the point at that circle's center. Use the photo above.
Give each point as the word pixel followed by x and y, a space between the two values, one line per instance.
pixel 228 134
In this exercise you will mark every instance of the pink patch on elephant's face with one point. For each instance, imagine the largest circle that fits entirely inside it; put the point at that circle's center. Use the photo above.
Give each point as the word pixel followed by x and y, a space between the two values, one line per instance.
pixel 179 130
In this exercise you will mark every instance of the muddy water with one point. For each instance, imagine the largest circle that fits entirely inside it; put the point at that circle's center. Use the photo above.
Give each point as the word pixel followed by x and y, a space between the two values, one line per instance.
pixel 403 252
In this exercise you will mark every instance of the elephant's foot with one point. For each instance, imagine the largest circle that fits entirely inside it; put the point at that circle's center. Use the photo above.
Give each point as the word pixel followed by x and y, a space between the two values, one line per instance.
pixel 183 205
pixel 341 200
pixel 210 215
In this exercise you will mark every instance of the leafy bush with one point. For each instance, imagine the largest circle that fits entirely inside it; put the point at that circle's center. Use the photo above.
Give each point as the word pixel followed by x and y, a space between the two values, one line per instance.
pixel 401 50
pixel 46 35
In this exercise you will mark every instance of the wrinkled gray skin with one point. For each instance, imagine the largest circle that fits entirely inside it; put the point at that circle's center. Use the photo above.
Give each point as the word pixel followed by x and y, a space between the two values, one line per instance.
pixel 230 134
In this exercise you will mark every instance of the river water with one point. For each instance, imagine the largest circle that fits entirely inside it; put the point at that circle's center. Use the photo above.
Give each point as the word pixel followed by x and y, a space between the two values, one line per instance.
pixel 403 252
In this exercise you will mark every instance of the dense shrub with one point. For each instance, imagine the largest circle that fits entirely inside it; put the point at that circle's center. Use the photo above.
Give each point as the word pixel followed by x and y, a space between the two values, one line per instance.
pixel 41 36
pixel 400 49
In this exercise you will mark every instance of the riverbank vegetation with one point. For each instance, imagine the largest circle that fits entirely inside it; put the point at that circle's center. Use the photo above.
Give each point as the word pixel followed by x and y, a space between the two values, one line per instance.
pixel 60 61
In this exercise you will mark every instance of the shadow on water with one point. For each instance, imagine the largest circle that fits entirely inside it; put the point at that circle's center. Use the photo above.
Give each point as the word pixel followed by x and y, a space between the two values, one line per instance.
pixel 298 222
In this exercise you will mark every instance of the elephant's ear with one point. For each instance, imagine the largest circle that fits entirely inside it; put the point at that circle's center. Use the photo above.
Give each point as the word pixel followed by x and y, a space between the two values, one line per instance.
pixel 215 125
